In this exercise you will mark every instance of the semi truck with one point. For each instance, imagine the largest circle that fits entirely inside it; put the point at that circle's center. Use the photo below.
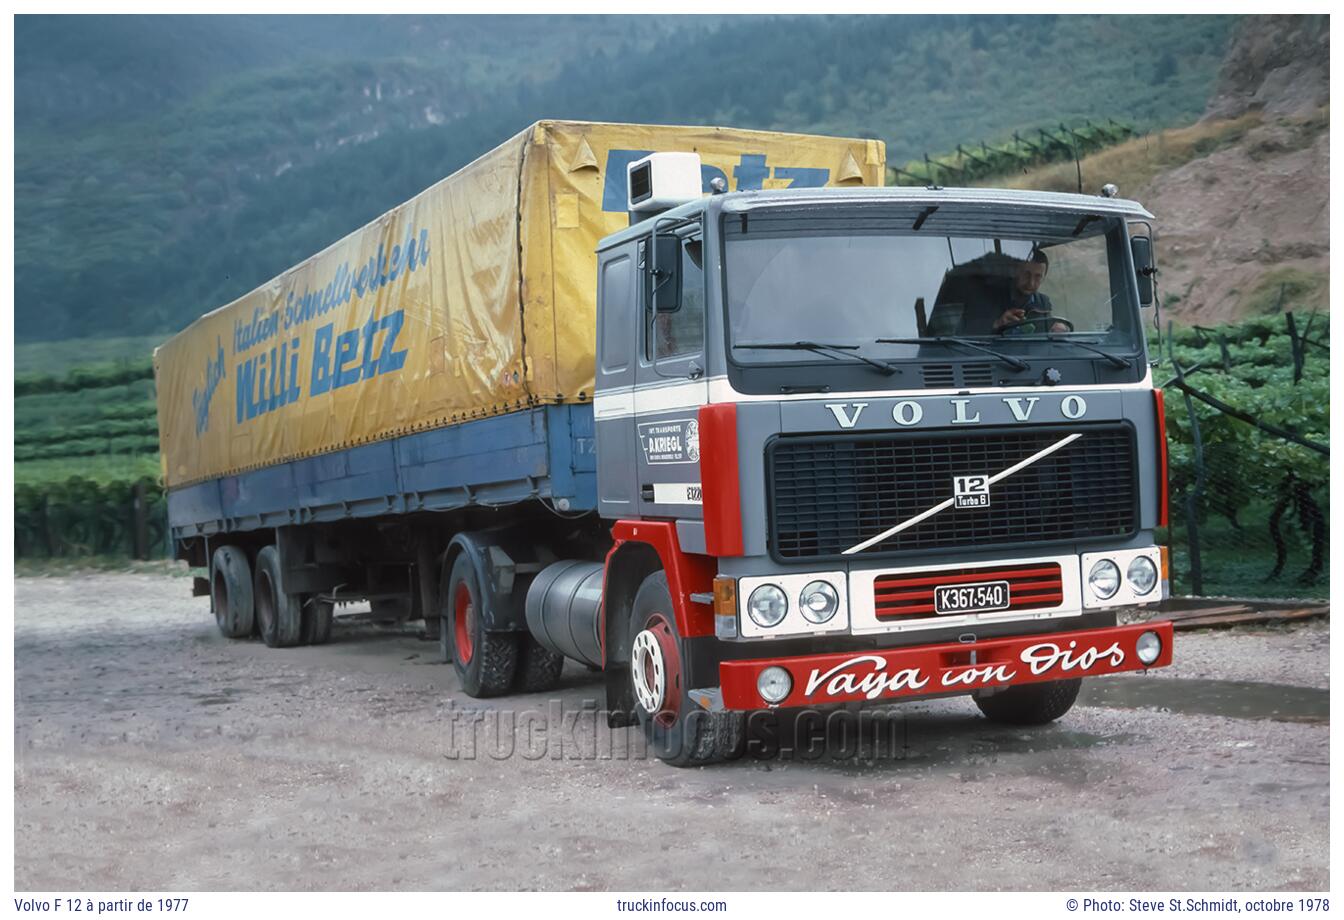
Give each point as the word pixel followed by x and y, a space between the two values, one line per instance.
pixel 710 411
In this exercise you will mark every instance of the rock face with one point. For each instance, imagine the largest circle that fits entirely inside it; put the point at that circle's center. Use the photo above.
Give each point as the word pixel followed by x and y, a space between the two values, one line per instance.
pixel 1245 228
pixel 1278 64
pixel 1245 225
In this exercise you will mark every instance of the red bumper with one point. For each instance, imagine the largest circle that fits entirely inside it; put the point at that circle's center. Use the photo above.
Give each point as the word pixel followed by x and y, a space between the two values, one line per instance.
pixel 930 670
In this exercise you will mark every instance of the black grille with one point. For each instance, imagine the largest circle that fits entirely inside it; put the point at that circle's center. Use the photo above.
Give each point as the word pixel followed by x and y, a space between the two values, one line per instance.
pixel 939 375
pixel 977 375
pixel 946 376
pixel 831 493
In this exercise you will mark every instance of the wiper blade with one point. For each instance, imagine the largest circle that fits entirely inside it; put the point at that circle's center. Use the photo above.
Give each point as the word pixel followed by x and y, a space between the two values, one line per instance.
pixel 826 349
pixel 1016 364
pixel 1115 360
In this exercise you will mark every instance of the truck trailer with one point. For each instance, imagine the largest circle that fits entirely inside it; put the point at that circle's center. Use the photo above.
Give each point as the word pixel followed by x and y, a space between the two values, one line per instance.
pixel 710 411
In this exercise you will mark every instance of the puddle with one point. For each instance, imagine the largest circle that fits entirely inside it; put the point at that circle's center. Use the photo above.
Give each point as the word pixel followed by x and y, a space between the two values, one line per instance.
pixel 1233 699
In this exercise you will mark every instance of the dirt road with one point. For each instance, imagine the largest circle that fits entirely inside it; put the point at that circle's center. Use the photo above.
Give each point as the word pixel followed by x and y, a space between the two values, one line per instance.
pixel 153 754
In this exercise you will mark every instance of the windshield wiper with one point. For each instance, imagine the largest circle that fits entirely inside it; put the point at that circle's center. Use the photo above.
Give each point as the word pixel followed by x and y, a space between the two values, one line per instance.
pixel 1016 364
pixel 825 349
pixel 1115 360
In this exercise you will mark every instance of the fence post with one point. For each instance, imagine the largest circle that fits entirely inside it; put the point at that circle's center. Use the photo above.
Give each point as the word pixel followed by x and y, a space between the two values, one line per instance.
pixel 1299 345
pixel 1196 492
pixel 46 526
pixel 140 527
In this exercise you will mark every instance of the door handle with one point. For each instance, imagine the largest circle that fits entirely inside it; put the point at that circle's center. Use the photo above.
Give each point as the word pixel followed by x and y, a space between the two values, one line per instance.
pixel 646 492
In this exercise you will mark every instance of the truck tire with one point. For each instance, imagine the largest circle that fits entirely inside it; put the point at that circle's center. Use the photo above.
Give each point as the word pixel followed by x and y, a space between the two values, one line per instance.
pixel 317 616
pixel 486 662
pixel 231 592
pixel 538 667
pixel 279 615
pixel 1031 704
pixel 677 730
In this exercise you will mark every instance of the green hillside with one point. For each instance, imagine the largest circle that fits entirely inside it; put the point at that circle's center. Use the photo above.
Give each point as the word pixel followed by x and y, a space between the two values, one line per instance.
pixel 165 165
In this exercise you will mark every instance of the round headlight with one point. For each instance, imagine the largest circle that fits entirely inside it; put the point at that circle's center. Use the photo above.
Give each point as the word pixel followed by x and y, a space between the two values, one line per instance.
pixel 818 602
pixel 1148 647
pixel 767 606
pixel 1142 575
pixel 1104 579
pixel 774 684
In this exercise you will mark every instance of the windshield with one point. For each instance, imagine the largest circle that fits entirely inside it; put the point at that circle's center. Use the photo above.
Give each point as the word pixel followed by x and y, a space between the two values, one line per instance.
pixel 799 280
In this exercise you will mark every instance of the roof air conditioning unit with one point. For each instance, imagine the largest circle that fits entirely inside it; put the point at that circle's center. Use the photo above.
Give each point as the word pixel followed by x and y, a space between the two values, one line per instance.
pixel 663 180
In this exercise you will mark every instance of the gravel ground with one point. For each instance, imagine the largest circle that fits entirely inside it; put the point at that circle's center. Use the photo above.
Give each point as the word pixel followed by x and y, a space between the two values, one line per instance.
pixel 152 754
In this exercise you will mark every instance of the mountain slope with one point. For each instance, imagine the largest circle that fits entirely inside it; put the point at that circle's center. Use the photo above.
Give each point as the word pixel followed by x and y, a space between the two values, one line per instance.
pixel 1241 198
pixel 162 168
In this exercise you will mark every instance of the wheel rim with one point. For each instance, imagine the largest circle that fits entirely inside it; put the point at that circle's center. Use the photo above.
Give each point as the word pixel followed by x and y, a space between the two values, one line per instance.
pixel 464 622
pixel 655 671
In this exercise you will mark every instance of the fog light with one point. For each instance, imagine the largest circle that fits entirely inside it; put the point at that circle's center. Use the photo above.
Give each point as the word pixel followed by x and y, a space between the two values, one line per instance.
pixel 774 684
pixel 767 606
pixel 1104 579
pixel 1148 648
pixel 819 602
pixel 1142 575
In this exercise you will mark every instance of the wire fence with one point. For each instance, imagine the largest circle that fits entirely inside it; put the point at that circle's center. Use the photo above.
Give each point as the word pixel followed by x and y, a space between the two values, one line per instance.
pixel 970 163
pixel 1248 434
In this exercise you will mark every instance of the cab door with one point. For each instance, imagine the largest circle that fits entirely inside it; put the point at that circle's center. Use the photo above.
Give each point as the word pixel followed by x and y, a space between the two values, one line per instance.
pixel 670 382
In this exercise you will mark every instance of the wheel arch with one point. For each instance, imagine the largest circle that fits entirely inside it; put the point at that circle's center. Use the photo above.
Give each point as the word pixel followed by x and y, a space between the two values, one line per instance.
pixel 504 564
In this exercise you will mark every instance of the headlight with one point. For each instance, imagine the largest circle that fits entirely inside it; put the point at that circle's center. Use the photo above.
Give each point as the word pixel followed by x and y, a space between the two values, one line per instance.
pixel 1149 647
pixel 774 684
pixel 767 606
pixel 1104 579
pixel 1142 574
pixel 818 602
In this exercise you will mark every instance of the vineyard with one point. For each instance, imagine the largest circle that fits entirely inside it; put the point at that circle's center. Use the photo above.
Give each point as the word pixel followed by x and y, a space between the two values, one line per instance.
pixel 1247 413
pixel 1248 424
pixel 968 164
pixel 86 464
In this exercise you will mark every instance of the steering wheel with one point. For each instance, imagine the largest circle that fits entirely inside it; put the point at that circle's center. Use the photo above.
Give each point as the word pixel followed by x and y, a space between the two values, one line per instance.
pixel 1044 318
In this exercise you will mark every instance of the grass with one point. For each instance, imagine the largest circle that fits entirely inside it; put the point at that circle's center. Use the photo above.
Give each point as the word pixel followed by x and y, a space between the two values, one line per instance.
pixel 1135 162
pixel 1237 563
pixel 59 357
pixel 120 468
pixel 1297 288
pixel 33 567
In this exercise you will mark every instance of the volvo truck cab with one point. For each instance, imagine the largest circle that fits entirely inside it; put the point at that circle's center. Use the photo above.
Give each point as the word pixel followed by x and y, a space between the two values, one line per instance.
pixel 867 444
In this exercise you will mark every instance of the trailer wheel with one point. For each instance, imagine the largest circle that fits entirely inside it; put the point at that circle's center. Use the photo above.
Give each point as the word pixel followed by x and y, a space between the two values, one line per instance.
pixel 279 616
pixel 317 616
pixel 1031 704
pixel 538 667
pixel 678 731
pixel 231 592
pixel 485 661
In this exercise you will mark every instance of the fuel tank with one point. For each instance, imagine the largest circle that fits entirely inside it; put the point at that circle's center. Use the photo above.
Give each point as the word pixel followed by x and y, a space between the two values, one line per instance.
pixel 562 608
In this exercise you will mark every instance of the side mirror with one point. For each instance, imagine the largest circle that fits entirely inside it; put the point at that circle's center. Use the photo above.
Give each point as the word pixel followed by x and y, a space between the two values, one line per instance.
pixel 1141 247
pixel 662 275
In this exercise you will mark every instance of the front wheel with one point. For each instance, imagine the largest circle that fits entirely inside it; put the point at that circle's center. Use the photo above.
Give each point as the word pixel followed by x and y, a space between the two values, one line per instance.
pixel 678 731
pixel 1031 704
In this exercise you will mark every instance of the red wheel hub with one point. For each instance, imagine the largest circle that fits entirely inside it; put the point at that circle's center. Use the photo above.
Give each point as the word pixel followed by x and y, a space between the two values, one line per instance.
pixel 464 622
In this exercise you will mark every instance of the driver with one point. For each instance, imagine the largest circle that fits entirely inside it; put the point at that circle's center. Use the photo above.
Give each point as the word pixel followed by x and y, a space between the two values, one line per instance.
pixel 1025 300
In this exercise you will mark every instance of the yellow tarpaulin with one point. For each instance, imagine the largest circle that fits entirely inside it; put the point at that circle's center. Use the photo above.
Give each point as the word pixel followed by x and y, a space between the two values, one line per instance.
pixel 474 298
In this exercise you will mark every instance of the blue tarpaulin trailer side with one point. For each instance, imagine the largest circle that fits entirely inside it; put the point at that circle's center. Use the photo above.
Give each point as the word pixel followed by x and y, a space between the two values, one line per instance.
pixel 543 453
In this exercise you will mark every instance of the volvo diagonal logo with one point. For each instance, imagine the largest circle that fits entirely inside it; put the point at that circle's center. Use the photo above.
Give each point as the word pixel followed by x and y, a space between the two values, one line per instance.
pixel 947 503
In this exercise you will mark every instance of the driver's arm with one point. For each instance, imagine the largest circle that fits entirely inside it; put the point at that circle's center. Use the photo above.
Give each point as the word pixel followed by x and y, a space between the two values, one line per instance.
pixel 1010 316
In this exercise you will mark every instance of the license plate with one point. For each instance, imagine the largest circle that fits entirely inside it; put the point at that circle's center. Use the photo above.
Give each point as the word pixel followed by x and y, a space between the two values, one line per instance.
pixel 976 597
